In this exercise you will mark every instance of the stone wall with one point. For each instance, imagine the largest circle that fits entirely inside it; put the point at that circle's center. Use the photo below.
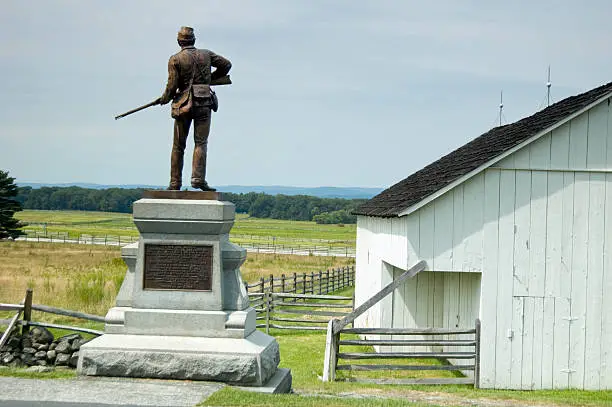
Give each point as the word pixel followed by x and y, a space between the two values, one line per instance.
pixel 40 348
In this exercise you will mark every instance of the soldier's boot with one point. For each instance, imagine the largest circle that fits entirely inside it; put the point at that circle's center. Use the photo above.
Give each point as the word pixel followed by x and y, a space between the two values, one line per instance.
pixel 198 170
pixel 176 170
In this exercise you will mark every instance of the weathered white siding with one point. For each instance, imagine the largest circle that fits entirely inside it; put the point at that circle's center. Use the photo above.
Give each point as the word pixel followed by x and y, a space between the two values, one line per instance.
pixel 535 231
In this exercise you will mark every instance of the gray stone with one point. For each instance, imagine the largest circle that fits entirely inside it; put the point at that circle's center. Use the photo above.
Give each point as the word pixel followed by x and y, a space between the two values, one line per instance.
pixel 52 346
pixel 279 383
pixel 51 354
pixel 129 253
pixel 74 359
pixel 44 347
pixel 8 359
pixel 62 359
pixel 42 335
pixel 63 347
pixel 76 345
pixel 250 361
pixel 211 324
pixel 6 348
pixel 69 338
pixel 26 342
pixel 41 362
pixel 29 350
pixel 27 358
pixel 40 369
pixel 41 354
pixel 14 342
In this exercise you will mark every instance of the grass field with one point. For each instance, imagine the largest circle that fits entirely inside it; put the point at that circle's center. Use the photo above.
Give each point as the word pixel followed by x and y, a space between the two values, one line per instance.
pixel 245 230
pixel 86 278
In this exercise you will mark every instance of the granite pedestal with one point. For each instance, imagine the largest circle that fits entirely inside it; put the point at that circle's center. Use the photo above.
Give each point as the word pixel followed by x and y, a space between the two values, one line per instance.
pixel 183 311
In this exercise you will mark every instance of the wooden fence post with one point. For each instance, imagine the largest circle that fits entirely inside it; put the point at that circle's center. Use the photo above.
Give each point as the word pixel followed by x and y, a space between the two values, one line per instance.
pixel 263 283
pixel 320 281
pixel 327 281
pixel 267 302
pixel 282 286
pixel 27 312
pixel 311 282
pixel 330 361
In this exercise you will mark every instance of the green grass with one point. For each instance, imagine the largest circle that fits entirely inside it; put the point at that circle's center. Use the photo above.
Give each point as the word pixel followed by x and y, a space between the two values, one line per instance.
pixel 246 229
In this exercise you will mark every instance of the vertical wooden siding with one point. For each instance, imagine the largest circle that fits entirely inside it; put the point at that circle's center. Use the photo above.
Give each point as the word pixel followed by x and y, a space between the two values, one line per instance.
pixel 539 228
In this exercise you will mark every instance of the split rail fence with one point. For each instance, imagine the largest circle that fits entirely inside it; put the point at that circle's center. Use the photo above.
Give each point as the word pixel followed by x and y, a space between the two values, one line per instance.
pixel 398 344
pixel 24 311
pixel 318 249
pixel 301 301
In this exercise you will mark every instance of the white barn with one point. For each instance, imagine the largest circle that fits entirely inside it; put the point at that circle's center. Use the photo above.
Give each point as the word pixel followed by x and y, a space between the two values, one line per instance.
pixel 516 229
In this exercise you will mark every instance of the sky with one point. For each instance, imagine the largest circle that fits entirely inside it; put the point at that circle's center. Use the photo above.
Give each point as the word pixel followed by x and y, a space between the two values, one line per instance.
pixel 325 92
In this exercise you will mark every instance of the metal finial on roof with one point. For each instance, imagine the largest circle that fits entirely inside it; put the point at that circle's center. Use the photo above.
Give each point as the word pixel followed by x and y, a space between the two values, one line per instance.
pixel 548 85
pixel 501 106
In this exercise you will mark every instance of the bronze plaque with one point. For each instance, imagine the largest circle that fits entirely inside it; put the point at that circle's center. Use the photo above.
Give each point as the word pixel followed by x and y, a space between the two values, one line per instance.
pixel 177 267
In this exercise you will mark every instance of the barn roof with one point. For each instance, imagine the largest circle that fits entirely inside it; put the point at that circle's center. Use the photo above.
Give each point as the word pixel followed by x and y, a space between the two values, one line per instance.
pixel 467 158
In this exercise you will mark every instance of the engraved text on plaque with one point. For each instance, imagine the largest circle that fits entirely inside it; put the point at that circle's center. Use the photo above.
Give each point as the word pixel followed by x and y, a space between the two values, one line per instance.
pixel 177 267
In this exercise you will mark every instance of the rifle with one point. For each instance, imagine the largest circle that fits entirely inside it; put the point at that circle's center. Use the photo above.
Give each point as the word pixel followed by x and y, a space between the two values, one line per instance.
pixel 224 80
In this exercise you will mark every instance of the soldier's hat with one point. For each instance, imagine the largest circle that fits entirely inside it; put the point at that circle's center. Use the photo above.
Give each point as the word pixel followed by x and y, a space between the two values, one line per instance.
pixel 186 33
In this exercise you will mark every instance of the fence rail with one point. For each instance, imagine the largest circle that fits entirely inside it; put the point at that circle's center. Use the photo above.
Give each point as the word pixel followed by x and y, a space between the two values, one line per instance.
pixel 319 283
pixel 26 322
pixel 436 343
pixel 319 248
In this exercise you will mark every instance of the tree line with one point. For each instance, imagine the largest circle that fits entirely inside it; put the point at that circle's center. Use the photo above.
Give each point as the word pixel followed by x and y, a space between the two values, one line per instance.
pixel 260 205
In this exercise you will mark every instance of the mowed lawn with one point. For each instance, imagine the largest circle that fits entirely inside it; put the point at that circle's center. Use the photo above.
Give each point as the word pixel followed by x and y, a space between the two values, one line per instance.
pixel 246 229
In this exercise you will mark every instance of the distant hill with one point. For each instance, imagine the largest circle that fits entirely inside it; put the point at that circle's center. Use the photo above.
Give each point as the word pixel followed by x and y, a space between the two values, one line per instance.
pixel 321 192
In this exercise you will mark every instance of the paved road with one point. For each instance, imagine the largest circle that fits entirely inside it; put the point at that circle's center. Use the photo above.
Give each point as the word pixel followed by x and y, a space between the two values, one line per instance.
pixel 99 391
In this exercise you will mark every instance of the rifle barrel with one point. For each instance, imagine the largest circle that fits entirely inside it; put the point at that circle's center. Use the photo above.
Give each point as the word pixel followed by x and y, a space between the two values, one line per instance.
pixel 155 102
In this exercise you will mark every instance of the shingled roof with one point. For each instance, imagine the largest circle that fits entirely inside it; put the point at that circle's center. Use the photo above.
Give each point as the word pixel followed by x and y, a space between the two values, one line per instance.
pixel 437 175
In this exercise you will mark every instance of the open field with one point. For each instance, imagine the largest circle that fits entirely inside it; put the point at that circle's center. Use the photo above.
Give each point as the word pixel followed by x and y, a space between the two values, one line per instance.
pixel 86 278
pixel 245 230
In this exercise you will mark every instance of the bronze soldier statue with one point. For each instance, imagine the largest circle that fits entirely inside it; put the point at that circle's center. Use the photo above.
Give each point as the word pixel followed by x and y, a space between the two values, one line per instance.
pixel 188 86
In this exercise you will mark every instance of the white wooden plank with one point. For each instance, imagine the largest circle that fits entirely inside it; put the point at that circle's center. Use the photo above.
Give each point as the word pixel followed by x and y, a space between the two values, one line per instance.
pixel 521 158
pixel 503 355
pixel 554 238
pixel 606 288
pixel 410 299
pixel 422 299
pixel 473 218
pixel 538 334
pixel 443 233
pixel 399 308
pixel 595 270
pixel 597 136
pixel 561 364
pixel 426 236
pixel 522 222
pixel 548 343
pixel 528 337
pixel 539 152
pixel 537 234
pixel 458 235
pixel 518 317
pixel 487 306
pixel 412 241
pixel 559 147
pixel 567 231
pixel 579 277
pixel 578 141
pixel 609 137
pixel 438 306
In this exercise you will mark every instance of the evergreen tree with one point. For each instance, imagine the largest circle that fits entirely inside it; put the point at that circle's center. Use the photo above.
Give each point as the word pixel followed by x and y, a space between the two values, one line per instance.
pixel 9 226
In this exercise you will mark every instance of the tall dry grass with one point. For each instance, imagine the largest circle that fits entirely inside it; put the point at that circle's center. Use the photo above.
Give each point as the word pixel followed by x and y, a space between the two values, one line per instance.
pixel 87 277
pixel 84 278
